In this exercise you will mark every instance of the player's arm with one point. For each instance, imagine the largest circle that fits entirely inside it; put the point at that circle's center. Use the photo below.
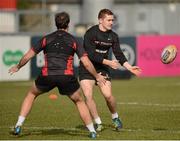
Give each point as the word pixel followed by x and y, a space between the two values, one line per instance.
pixel 89 66
pixel 91 47
pixel 30 54
pixel 22 61
pixel 114 64
pixel 133 69
pixel 122 59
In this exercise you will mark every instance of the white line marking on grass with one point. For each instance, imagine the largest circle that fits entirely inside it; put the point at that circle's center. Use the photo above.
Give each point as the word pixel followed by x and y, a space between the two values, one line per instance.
pixel 124 129
pixel 47 128
pixel 152 130
pixel 51 128
pixel 149 104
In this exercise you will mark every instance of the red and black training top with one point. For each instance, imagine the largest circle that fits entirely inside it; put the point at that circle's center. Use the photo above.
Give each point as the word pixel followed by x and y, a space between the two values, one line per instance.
pixel 59 48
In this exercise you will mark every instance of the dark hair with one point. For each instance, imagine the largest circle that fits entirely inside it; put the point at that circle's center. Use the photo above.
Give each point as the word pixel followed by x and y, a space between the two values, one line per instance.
pixel 62 20
pixel 104 12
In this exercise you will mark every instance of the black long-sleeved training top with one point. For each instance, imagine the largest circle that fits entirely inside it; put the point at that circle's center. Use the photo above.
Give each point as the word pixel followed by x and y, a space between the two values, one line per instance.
pixel 98 43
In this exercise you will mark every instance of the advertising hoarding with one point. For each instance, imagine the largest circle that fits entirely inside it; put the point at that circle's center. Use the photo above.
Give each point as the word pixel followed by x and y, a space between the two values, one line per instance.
pixel 12 48
pixel 128 46
pixel 149 52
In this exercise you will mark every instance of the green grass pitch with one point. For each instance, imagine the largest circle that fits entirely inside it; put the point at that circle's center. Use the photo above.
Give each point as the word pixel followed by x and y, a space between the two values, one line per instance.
pixel 148 107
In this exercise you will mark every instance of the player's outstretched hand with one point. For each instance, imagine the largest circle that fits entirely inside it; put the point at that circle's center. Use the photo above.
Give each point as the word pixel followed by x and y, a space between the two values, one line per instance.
pixel 135 70
pixel 101 80
pixel 13 69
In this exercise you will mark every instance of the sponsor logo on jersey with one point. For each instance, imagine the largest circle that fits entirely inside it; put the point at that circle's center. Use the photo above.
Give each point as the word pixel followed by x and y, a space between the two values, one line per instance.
pixel 103 43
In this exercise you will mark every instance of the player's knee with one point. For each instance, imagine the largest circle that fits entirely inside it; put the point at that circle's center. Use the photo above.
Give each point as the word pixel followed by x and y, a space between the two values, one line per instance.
pixel 89 97
pixel 31 95
pixel 108 97
pixel 34 91
pixel 80 98
pixel 77 98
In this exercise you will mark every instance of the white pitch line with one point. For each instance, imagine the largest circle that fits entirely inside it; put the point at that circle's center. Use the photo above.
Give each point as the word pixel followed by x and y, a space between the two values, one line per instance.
pixel 75 129
pixel 149 104
pixel 47 128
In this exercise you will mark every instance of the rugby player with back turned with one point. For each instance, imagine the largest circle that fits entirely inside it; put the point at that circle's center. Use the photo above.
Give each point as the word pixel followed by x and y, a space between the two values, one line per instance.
pixel 59 48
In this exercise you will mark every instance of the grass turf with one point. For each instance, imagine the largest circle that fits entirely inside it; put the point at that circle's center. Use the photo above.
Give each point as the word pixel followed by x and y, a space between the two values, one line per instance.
pixel 148 107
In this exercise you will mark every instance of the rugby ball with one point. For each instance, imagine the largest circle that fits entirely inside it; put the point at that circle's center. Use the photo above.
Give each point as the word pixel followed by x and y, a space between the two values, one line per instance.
pixel 168 54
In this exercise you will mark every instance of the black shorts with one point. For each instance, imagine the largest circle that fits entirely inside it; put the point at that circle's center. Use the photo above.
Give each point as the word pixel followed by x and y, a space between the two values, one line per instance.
pixel 87 75
pixel 66 84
